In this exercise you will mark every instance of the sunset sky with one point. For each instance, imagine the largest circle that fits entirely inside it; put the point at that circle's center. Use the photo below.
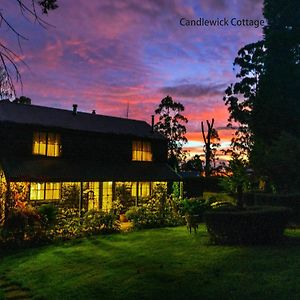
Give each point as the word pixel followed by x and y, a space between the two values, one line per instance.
pixel 103 54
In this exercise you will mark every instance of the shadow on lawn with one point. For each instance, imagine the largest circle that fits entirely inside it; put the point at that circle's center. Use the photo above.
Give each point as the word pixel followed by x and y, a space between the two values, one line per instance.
pixel 166 263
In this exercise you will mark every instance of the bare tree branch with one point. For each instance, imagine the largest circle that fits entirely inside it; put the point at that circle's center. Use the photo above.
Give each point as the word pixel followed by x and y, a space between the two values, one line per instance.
pixel 9 59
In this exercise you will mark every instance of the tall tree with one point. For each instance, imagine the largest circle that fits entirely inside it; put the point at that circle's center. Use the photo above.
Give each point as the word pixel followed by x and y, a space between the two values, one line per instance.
pixel 9 57
pixel 211 143
pixel 239 97
pixel 276 109
pixel 171 124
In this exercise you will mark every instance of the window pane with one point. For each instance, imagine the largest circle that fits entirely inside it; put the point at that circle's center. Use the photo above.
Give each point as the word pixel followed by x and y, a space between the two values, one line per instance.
pixel 46 144
pixel 141 151
pixel 91 189
pixel 53 191
pixel 107 195
pixel 53 144
pixel 144 189
pixel 37 191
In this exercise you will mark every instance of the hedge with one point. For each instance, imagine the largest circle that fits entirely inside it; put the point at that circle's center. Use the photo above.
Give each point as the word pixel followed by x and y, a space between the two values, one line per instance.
pixel 257 225
pixel 287 200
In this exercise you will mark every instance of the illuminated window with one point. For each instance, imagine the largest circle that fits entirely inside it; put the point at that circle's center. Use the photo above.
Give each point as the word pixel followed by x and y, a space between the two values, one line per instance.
pixel 144 189
pixel 45 191
pixel 46 144
pixel 107 195
pixel 141 151
pixel 134 189
pixel 91 190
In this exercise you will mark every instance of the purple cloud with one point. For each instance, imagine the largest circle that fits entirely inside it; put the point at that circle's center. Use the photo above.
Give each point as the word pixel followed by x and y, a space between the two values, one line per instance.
pixel 194 90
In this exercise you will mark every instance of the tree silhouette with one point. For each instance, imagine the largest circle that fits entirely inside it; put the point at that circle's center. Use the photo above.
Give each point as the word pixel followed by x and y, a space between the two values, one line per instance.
pixel 6 85
pixel 193 164
pixel 239 97
pixel 9 57
pixel 276 109
pixel 171 125
pixel 211 143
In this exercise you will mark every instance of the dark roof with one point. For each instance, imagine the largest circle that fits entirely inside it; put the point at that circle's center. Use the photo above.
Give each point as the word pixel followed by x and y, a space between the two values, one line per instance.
pixel 28 114
pixel 49 169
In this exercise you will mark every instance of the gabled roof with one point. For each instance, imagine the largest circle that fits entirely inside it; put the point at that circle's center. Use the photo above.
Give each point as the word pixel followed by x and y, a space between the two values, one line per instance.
pixel 27 114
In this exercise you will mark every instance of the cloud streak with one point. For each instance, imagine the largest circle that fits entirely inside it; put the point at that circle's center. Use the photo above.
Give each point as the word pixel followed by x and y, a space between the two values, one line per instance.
pixel 194 90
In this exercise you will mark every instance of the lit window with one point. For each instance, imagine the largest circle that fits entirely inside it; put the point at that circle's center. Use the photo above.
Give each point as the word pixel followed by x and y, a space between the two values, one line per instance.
pixel 91 190
pixel 141 151
pixel 107 195
pixel 46 144
pixel 134 190
pixel 45 191
pixel 144 189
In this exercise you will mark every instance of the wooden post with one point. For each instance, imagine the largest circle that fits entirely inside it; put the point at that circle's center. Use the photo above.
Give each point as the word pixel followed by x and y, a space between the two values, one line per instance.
pixel 80 197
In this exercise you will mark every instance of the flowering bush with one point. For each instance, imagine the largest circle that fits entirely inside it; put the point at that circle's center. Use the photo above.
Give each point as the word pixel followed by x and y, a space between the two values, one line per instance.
pixel 71 223
pixel 157 210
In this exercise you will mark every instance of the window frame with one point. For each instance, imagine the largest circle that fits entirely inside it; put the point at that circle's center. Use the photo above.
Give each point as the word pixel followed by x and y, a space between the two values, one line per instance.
pixel 38 139
pixel 44 189
pixel 141 151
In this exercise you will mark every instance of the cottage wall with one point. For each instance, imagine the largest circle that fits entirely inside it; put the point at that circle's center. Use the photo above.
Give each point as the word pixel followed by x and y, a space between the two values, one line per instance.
pixel 76 145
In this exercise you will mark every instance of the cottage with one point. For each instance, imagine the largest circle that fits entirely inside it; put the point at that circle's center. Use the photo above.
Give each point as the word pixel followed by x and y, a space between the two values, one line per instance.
pixel 77 159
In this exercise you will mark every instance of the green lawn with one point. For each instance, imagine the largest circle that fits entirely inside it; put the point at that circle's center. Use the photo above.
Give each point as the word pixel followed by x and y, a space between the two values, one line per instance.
pixel 157 264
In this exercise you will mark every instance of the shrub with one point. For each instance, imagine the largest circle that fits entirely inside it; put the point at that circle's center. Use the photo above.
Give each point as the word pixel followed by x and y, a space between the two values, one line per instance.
pixel 99 221
pixel 155 211
pixel 68 224
pixel 288 200
pixel 71 225
pixel 22 223
pixel 258 225
pixel 110 222
pixel 218 197
pixel 193 207
pixel 92 221
pixel 48 213
pixel 223 205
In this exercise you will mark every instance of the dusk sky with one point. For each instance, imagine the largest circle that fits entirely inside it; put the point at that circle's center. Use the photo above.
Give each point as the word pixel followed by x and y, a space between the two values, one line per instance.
pixel 103 54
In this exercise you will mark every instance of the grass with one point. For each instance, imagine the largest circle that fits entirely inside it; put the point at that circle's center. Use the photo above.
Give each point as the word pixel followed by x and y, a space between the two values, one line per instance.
pixel 157 264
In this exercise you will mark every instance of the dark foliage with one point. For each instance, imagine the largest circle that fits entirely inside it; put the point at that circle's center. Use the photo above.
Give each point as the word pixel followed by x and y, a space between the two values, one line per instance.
pixel 21 224
pixel 171 124
pixel 258 225
pixel 276 109
pixel 288 200
pixel 193 207
pixel 48 214
pixel 193 164
pixel 240 97
pixel 195 186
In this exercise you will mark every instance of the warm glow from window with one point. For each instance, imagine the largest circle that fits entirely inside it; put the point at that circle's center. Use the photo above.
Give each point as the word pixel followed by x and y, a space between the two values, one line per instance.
pixel 45 191
pixel 144 189
pixel 133 189
pixel 107 195
pixel 91 189
pixel 141 151
pixel 46 144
